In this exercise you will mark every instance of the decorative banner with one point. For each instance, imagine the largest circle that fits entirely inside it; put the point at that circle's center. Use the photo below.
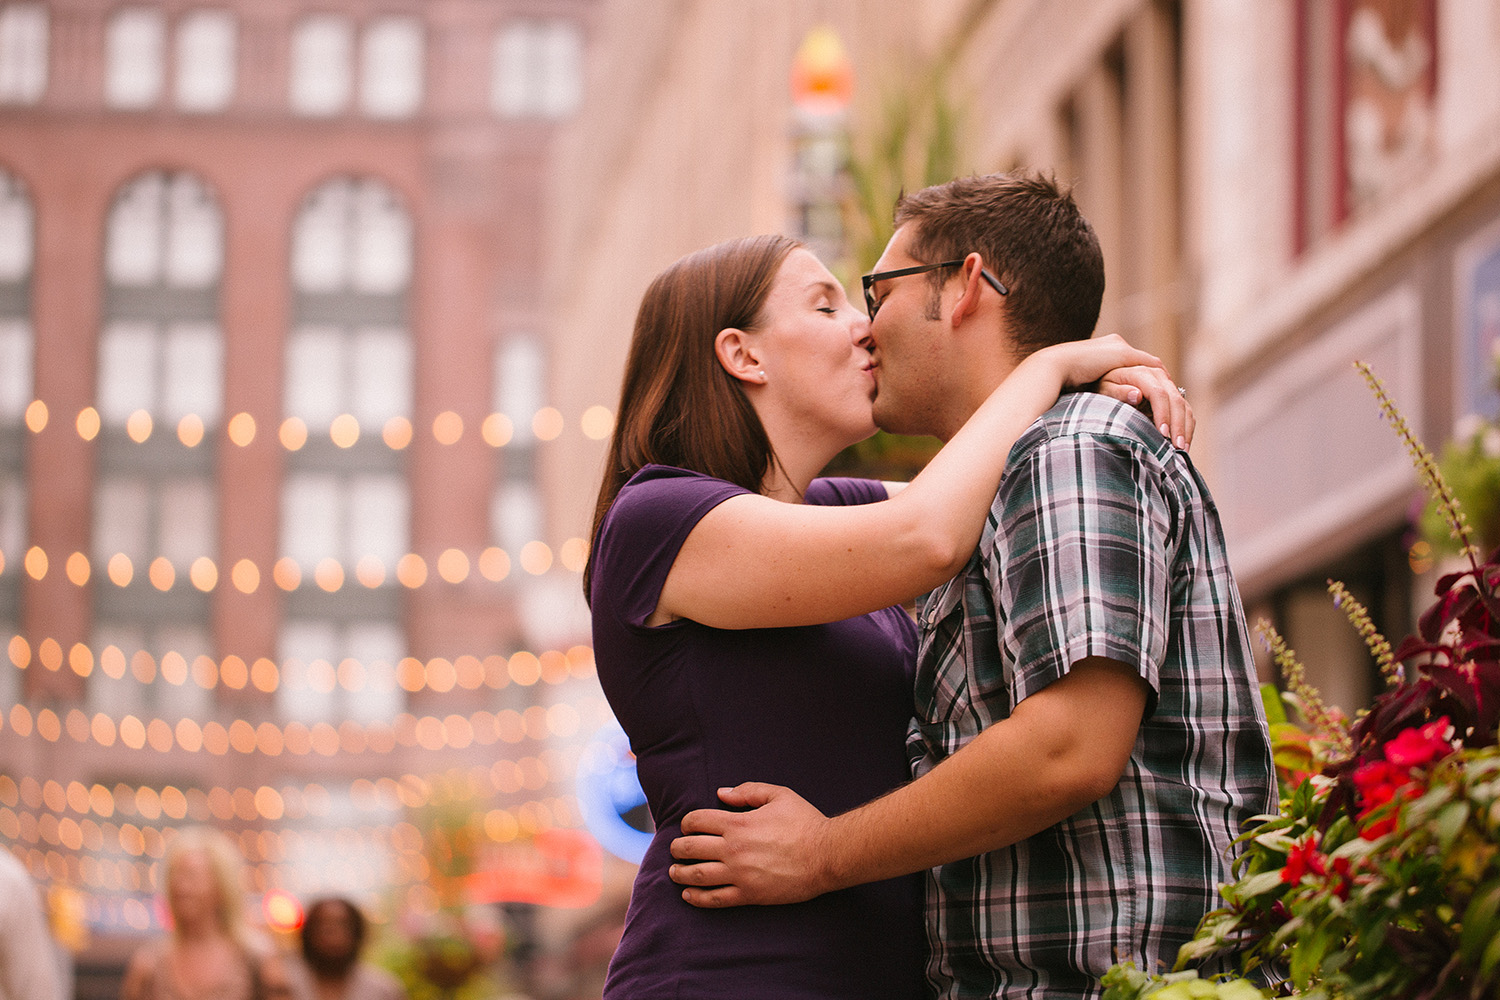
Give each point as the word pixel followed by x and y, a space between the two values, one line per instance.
pixel 557 867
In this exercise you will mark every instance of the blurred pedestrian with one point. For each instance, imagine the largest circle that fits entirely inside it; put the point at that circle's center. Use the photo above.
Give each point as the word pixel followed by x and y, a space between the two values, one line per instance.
pixel 28 955
pixel 332 937
pixel 211 953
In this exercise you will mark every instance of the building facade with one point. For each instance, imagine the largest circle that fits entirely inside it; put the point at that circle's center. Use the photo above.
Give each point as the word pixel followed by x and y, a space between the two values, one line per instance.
pixel 1280 189
pixel 275 404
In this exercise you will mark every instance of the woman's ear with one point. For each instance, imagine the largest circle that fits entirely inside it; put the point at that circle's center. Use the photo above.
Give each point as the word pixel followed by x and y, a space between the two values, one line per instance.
pixel 738 355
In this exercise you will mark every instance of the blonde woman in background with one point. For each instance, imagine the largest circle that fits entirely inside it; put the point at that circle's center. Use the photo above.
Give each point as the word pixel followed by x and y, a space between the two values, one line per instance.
pixel 211 953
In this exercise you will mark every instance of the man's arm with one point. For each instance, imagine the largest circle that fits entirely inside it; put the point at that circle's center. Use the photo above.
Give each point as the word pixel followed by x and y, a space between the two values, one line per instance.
pixel 1061 749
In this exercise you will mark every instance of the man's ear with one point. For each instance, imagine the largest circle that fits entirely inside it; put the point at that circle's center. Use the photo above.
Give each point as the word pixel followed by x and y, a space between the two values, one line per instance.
pixel 968 300
pixel 737 353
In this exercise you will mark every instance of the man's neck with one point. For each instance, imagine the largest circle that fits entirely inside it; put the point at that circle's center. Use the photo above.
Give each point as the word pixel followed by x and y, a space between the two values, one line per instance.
pixel 968 391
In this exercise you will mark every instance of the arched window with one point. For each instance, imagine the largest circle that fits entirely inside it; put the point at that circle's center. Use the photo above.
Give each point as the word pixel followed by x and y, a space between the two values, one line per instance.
pixel 349 354
pixel 23 52
pixel 160 400
pixel 17 242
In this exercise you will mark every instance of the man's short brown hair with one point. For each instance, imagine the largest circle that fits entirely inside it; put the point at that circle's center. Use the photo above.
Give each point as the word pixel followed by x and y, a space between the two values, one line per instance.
pixel 1030 234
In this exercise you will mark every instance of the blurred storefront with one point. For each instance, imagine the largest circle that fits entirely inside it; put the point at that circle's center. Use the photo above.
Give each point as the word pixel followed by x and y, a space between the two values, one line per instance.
pixel 1281 187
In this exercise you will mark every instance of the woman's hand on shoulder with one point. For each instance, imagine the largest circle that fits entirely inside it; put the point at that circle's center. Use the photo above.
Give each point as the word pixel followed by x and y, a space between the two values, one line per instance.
pixel 1152 391
pixel 1122 372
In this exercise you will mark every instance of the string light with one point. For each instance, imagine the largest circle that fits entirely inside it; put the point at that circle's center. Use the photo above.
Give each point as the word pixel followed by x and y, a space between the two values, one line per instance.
pixel 497 429
pixel 453 567
pixel 467 671
pixel 407 730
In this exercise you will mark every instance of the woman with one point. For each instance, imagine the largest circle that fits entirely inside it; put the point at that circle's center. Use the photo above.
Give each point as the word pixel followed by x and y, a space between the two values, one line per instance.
pixel 211 953
pixel 743 612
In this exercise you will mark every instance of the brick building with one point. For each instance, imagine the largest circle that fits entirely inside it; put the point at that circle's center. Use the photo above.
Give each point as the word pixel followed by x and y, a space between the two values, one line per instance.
pixel 275 424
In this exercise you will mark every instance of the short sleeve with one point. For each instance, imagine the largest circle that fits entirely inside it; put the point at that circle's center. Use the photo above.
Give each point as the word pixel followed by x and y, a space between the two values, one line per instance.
pixel 842 491
pixel 642 533
pixel 1079 562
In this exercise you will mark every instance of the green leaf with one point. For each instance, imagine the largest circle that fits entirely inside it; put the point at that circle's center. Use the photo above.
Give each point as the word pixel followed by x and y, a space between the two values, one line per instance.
pixel 1450 823
pixel 1479 924
pixel 1271 699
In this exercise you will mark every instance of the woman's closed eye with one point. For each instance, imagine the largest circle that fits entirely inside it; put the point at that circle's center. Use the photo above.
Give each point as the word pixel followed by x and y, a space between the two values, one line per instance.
pixel 830 310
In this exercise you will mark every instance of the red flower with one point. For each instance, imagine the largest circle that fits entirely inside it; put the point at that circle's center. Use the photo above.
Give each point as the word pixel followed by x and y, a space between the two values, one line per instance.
pixel 1378 783
pixel 1420 746
pixel 1301 859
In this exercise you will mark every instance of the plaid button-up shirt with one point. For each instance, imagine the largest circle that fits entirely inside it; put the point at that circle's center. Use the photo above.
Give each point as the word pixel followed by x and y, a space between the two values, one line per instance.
pixel 1102 541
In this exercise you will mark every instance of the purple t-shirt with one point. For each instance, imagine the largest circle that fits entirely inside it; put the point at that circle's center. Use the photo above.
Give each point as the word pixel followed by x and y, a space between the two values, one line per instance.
pixel 820 708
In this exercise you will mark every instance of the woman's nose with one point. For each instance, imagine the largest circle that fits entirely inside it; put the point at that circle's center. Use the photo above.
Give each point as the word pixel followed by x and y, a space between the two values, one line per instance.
pixel 860 331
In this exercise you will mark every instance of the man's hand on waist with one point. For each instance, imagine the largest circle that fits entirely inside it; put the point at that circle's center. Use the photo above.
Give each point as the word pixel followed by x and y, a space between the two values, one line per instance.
pixel 774 853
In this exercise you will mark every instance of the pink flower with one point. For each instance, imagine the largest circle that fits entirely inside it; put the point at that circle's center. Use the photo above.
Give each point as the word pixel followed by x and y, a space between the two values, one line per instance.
pixel 1420 746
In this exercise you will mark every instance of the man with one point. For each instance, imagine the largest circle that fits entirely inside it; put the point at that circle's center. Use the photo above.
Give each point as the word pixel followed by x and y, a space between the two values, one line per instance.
pixel 1088 736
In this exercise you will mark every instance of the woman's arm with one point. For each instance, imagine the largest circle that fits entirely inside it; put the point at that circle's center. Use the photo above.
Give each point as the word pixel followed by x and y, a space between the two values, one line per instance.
pixel 754 562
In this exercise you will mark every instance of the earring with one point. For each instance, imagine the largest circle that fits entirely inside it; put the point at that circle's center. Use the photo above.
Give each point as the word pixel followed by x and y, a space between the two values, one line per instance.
pixel 761 375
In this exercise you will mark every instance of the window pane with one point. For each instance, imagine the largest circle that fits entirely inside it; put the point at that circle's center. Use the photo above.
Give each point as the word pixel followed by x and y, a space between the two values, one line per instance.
pixel 134 48
pixel 15 368
pixel 122 520
pixel 127 370
pixel 16 230
pixel 382 241
pixel 187 700
pixel 516 516
pixel 193 373
pixel 320 242
pixel 303 643
pixel 316 371
pixel 512 75
pixel 205 60
pixel 321 50
pixel 378 518
pixel 382 377
pixel 390 77
pixel 311 509
pixel 519 389
pixel 377 646
pixel 133 250
pixel 23 53
pixel 12 516
pixel 188 521
pixel 561 68
pixel 195 234
pixel 118 697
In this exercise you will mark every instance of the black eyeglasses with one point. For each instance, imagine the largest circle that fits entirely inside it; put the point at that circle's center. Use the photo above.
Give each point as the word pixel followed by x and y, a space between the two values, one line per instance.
pixel 869 280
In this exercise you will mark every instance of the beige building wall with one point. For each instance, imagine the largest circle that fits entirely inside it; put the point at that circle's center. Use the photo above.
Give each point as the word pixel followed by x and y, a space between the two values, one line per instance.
pixel 1213 143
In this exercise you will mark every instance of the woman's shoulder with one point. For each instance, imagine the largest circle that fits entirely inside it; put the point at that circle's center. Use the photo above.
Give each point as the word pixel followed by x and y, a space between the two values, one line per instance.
pixel 657 491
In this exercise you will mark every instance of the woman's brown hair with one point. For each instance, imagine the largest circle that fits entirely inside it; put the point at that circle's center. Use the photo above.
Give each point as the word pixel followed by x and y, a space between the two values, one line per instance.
pixel 678 406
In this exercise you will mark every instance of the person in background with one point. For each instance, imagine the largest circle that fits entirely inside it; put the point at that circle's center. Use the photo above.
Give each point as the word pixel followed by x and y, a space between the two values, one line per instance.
pixel 28 955
pixel 333 936
pixel 211 952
